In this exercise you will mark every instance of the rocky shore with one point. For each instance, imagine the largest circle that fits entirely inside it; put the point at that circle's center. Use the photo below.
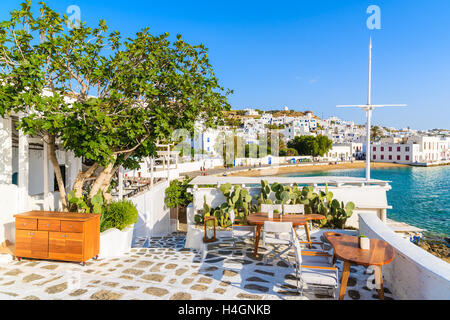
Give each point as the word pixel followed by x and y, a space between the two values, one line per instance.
pixel 437 248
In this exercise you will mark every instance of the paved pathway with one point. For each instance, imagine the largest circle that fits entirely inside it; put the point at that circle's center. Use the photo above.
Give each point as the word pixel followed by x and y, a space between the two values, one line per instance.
pixel 161 268
pixel 221 170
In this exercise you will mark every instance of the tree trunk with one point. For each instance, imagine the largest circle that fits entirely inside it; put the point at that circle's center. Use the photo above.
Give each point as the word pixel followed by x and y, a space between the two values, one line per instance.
pixel 102 180
pixel 51 141
pixel 106 183
pixel 81 178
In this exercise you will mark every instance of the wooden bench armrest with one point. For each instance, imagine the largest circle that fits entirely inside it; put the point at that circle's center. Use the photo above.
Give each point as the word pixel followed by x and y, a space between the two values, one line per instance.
pixel 306 242
pixel 315 253
pixel 320 267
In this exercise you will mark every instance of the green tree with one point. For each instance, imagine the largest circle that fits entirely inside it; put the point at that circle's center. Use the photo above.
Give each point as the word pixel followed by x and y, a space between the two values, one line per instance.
pixel 145 87
pixel 324 145
pixel 375 133
pixel 288 152
pixel 40 67
pixel 311 145
pixel 177 194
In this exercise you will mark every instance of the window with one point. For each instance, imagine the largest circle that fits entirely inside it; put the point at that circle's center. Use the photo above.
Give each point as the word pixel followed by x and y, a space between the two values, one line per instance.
pixel 374 157
pixel 390 148
pixel 382 157
pixel 207 140
pixel 374 148
pixel 398 157
pixel 407 149
pixel 398 149
pixel 390 157
pixel 382 148
pixel 407 158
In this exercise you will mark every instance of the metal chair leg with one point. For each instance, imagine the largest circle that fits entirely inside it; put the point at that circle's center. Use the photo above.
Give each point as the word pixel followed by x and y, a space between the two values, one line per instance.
pixel 278 255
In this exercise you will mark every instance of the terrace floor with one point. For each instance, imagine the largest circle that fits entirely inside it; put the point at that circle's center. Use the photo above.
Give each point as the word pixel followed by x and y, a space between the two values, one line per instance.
pixel 161 268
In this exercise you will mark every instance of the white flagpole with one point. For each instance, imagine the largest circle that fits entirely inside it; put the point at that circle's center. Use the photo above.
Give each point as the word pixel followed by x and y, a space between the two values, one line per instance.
pixel 368 108
pixel 369 118
pixel 369 112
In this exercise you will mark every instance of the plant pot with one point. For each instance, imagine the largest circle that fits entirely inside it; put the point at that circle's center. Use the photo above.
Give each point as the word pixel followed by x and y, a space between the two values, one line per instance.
pixel 115 243
pixel 364 243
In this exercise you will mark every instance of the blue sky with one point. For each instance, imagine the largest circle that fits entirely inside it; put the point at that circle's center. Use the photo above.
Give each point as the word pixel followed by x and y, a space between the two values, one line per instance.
pixel 306 54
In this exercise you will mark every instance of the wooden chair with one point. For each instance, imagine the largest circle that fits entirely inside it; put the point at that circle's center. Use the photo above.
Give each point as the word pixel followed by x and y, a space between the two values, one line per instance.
pixel 313 270
pixel 299 209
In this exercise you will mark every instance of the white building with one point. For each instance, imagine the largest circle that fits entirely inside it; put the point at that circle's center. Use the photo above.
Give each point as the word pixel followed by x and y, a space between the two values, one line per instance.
pixel 339 152
pixel 27 180
pixel 416 149
pixel 251 112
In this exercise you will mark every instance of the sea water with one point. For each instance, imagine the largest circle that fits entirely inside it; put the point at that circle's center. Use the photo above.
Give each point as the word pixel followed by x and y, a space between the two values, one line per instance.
pixel 420 196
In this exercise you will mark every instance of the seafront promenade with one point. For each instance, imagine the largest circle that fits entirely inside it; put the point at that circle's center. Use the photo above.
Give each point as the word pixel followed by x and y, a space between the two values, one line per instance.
pixel 267 170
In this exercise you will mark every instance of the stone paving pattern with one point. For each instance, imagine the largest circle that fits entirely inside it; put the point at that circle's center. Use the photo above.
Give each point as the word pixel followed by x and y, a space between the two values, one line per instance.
pixel 161 268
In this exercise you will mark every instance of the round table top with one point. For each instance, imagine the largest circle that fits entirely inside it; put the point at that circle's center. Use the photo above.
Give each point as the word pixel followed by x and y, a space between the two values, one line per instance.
pixel 258 218
pixel 347 248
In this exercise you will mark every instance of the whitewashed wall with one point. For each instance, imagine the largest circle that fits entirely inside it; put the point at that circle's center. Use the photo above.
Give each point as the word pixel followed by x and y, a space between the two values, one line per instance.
pixel 36 169
pixel 195 166
pixel 414 274
pixel 174 172
pixel 154 217
pixel 13 200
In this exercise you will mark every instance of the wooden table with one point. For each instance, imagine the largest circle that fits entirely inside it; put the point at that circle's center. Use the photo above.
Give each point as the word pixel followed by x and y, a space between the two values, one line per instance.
pixel 296 219
pixel 347 249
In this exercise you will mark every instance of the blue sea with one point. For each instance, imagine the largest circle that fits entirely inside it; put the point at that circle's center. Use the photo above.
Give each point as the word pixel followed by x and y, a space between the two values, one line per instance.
pixel 419 196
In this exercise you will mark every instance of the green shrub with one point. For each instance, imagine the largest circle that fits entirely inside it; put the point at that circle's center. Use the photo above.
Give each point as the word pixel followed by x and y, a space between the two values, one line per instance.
pixel 120 215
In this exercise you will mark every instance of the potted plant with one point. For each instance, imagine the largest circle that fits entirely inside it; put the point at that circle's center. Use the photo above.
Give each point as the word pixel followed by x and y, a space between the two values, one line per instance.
pixel 364 242
pixel 116 227
pixel 276 214
pixel 178 198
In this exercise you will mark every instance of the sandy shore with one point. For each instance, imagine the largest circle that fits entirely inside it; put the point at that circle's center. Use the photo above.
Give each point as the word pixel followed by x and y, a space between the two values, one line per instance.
pixel 312 168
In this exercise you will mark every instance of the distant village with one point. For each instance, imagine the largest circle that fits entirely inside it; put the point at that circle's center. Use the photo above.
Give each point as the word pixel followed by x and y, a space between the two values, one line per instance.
pixel 404 146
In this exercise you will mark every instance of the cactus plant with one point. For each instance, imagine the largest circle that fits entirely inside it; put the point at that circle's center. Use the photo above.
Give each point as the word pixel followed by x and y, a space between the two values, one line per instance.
pixel 237 199
pixel 263 198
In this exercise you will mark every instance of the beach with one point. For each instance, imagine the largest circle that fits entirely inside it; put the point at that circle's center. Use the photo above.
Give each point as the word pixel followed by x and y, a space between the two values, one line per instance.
pixel 311 167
